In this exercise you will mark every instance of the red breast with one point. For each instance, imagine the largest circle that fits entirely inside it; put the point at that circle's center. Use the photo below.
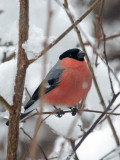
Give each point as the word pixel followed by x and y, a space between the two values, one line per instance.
pixel 75 83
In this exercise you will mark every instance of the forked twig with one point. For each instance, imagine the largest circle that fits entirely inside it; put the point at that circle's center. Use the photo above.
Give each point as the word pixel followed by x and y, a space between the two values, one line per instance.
pixel 38 144
pixel 5 103
pixel 67 30
pixel 42 90
pixel 94 125
pixel 104 51
pixel 90 66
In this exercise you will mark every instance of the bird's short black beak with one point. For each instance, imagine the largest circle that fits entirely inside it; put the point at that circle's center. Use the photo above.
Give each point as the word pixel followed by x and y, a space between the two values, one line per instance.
pixel 81 55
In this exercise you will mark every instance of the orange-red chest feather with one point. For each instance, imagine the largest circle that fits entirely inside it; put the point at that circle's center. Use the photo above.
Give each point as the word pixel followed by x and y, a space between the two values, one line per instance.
pixel 75 83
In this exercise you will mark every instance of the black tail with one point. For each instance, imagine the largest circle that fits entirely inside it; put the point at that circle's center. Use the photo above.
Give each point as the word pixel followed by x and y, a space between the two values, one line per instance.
pixel 22 116
pixel 7 123
pixel 33 99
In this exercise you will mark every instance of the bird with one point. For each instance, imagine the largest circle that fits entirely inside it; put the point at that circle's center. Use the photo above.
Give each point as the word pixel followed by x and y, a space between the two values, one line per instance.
pixel 66 83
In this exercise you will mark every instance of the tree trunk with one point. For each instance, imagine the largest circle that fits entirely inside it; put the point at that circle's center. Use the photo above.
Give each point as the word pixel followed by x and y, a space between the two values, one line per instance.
pixel 22 64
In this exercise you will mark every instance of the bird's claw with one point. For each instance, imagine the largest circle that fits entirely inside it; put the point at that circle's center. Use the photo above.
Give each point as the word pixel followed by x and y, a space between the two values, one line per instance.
pixel 74 111
pixel 60 113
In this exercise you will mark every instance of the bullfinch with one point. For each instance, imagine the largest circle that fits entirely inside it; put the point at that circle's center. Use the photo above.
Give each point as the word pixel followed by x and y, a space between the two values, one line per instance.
pixel 66 84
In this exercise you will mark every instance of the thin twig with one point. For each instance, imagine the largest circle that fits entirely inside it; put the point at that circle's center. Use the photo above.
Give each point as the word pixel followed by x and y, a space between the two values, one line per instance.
pixel 101 8
pixel 69 111
pixel 91 69
pixel 37 127
pixel 67 30
pixel 97 54
pixel 104 51
pixel 117 35
pixel 111 112
pixel 98 18
pixel 42 89
pixel 102 100
pixel 93 126
pixel 111 37
pixel 73 145
pixel 5 104
pixel 112 151
pixel 28 92
pixel 71 17
pixel 38 145
pixel 5 58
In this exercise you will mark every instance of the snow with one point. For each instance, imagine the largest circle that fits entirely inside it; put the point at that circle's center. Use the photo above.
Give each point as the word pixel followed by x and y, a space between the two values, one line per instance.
pixel 35 42
pixel 7 50
pixel 99 142
pixel 101 74
pixel 62 126
pixel 34 76
pixel 62 149
pixel 7 80
pixel 9 21
pixel 4 114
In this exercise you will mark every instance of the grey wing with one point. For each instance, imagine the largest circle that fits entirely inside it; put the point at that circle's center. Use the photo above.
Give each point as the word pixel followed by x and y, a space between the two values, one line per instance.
pixel 52 80
pixel 54 72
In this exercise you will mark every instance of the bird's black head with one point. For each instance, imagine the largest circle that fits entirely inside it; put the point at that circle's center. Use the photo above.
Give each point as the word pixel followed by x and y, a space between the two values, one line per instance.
pixel 73 53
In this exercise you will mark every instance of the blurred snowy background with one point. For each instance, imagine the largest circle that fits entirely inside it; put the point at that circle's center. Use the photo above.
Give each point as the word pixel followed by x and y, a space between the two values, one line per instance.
pixel 54 131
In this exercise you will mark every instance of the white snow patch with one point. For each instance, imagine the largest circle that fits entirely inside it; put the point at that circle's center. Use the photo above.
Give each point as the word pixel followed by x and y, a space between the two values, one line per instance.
pixel 62 149
pixel 7 80
pixel 4 114
pixel 34 44
pixel 98 143
pixel 67 126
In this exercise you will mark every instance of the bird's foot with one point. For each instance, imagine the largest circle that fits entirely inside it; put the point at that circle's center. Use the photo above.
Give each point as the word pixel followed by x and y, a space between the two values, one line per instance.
pixel 74 110
pixel 60 113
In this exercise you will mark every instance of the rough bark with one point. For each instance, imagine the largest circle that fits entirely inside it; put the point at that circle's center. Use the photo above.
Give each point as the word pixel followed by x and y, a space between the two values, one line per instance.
pixel 22 64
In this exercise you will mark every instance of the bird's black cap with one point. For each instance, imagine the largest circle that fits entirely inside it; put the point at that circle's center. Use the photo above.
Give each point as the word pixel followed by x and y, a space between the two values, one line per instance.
pixel 74 53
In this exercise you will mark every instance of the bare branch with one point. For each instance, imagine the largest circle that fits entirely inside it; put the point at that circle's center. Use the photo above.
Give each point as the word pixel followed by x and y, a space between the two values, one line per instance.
pixel 91 69
pixel 97 54
pixel 73 145
pixel 111 112
pixel 104 51
pixel 94 125
pixel 107 38
pixel 111 37
pixel 38 145
pixel 5 103
pixel 114 150
pixel 22 64
pixel 101 8
pixel 5 58
pixel 28 92
pixel 67 30
pixel 42 89
pixel 69 111
pixel 34 142
pixel 102 100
